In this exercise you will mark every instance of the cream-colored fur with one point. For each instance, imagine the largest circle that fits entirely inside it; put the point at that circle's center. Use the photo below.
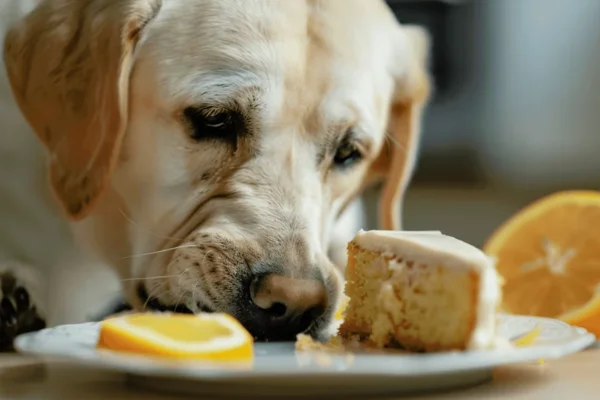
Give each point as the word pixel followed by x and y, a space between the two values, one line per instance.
pixel 69 285
pixel 105 85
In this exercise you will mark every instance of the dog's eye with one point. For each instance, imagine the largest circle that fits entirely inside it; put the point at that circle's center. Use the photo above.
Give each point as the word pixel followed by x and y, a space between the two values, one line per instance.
pixel 213 124
pixel 347 154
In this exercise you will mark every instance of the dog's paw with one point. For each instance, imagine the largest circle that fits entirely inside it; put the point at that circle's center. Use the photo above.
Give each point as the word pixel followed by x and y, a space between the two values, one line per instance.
pixel 18 313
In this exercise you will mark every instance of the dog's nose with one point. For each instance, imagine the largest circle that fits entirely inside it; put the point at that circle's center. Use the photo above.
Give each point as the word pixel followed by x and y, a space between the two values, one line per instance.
pixel 288 305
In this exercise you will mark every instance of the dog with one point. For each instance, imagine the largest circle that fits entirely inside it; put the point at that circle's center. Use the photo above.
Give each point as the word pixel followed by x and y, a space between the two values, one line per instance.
pixel 210 152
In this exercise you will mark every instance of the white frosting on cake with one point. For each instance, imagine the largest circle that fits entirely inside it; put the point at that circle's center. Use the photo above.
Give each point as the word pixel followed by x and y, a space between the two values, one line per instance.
pixel 428 247
pixel 435 248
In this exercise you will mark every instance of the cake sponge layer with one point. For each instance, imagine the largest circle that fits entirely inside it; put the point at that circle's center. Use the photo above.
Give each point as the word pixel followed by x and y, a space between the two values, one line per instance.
pixel 419 298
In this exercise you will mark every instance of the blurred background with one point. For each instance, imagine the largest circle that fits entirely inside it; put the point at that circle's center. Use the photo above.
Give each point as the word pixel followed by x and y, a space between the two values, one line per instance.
pixel 515 113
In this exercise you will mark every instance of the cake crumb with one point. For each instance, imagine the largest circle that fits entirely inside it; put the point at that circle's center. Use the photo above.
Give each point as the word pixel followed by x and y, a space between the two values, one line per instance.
pixel 340 345
pixel 306 343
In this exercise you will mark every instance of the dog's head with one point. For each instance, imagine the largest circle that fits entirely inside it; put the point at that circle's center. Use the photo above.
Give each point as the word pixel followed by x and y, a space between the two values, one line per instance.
pixel 222 139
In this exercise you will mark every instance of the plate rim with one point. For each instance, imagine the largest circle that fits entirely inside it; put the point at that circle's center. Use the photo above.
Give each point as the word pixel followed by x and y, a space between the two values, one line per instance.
pixel 459 361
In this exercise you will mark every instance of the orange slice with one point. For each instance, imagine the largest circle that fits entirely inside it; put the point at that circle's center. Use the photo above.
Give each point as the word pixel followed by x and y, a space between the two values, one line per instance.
pixel 549 257
pixel 216 337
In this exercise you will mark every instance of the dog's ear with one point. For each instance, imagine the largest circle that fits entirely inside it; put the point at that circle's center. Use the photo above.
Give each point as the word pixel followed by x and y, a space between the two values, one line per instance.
pixel 69 63
pixel 395 164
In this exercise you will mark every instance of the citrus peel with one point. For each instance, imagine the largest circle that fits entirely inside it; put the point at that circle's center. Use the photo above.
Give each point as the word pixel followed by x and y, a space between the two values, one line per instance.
pixel 549 258
pixel 213 337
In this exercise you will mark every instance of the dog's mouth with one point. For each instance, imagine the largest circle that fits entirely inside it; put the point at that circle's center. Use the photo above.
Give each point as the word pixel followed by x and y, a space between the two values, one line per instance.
pixel 154 304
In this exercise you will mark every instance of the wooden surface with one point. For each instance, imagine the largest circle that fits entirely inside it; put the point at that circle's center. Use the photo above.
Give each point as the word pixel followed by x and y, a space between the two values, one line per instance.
pixel 574 377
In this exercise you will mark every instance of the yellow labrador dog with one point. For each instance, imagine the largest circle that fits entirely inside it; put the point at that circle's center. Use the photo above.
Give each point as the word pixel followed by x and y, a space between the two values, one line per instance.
pixel 224 138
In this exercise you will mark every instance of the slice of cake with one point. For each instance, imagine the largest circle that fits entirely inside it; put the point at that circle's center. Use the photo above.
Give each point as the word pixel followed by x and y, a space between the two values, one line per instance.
pixel 422 291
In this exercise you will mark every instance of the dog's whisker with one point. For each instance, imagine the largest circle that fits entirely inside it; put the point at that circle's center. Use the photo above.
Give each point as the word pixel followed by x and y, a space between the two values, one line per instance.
pixel 158 290
pixel 180 275
pixel 390 137
pixel 155 234
pixel 206 255
pixel 149 278
pixel 179 301
pixel 204 291
pixel 161 251
pixel 194 287
pixel 154 292
pixel 179 283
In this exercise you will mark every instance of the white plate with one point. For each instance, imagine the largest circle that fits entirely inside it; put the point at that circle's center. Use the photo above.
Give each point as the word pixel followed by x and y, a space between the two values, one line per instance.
pixel 280 371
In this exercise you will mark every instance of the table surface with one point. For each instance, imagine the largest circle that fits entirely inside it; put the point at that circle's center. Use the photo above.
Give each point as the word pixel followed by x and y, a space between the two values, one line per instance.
pixel 576 376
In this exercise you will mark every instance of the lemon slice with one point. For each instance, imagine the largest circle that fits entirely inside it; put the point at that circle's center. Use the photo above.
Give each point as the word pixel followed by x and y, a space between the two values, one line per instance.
pixel 215 337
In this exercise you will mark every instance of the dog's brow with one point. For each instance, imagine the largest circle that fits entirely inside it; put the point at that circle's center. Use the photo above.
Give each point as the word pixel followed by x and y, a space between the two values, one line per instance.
pixel 361 136
pixel 227 88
